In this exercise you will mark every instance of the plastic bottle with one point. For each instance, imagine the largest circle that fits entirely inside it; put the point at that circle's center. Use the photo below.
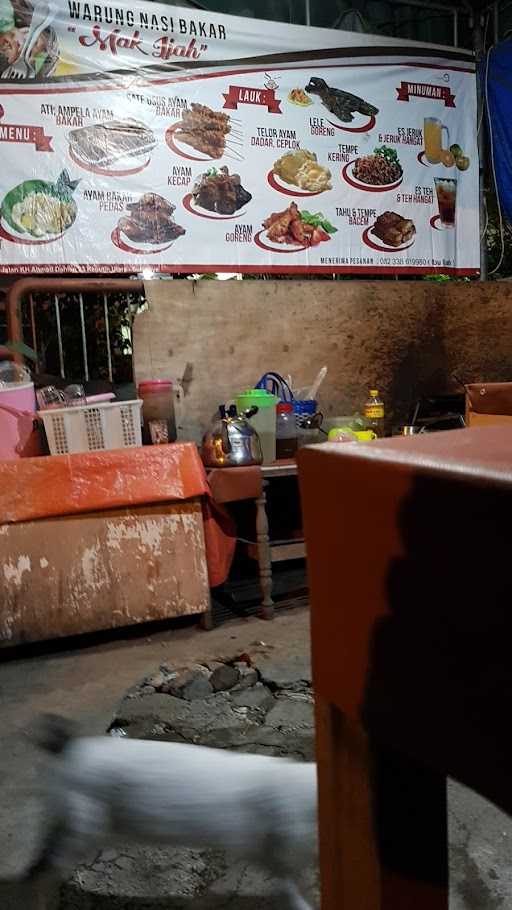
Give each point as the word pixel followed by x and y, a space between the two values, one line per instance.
pixel 374 413
pixel 286 431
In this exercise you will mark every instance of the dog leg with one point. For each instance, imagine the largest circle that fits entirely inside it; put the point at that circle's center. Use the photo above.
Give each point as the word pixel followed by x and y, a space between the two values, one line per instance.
pixel 66 845
pixel 41 881
pixel 293 896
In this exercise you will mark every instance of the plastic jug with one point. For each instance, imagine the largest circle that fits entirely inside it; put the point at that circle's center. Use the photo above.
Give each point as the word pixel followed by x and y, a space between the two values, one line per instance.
pixel 264 421
pixel 18 438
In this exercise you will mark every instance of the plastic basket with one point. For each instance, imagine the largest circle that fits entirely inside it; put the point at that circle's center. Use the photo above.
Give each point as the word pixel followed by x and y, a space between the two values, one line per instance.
pixel 93 427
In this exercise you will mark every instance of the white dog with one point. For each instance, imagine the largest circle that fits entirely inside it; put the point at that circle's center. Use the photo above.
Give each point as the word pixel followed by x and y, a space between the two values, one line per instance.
pixel 104 791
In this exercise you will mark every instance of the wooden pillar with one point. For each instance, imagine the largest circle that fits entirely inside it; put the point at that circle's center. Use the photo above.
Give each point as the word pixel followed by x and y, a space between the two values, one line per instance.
pixel 383 823
pixel 264 555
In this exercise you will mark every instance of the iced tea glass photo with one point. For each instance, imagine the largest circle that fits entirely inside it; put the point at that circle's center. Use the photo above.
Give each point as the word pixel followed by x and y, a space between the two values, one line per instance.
pixel 433 138
pixel 446 191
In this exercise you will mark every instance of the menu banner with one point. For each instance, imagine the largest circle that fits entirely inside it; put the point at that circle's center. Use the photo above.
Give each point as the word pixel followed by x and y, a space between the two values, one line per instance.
pixel 59 39
pixel 348 160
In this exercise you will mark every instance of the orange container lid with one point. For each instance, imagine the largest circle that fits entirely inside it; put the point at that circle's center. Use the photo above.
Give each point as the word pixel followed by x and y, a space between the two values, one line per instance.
pixel 155 385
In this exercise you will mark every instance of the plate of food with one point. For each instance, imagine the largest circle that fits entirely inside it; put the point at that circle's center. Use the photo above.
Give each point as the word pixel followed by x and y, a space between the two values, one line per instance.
pixel 38 211
pixel 149 226
pixel 298 96
pixel 301 170
pixel 205 131
pixel 345 107
pixel 217 195
pixel 393 233
pixel 375 173
pixel 115 148
pixel 292 230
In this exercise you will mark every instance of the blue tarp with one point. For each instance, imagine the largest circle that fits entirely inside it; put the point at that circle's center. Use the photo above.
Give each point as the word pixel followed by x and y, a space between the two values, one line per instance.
pixel 497 85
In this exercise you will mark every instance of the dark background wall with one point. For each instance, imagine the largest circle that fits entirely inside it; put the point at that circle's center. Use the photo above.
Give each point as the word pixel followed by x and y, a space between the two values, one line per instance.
pixel 406 338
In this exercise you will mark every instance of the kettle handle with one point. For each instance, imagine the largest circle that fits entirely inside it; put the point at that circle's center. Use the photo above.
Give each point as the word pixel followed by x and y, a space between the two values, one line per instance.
pixel 249 412
pixel 226 445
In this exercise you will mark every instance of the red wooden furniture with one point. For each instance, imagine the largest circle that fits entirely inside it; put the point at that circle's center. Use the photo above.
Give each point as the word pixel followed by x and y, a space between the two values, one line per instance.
pixel 409 562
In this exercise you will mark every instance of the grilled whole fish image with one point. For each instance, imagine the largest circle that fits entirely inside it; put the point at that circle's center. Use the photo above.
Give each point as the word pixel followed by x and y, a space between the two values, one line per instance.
pixel 340 103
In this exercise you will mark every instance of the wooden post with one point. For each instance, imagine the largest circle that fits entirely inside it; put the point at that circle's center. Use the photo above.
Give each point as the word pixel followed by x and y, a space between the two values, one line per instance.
pixel 348 858
pixel 383 823
pixel 264 555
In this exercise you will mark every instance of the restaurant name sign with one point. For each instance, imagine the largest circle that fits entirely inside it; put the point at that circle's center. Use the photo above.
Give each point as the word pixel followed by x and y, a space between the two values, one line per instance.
pixel 146 137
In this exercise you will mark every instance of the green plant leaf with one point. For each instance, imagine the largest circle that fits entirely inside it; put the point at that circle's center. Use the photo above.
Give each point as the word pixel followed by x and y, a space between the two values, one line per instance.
pixel 384 151
pixel 318 220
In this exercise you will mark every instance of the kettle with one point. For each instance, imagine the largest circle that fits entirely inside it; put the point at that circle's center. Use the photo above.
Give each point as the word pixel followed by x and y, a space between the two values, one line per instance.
pixel 231 441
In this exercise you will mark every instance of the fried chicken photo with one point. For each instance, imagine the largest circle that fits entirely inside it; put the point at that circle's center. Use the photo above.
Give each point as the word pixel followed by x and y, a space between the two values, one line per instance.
pixel 278 223
pixel 289 227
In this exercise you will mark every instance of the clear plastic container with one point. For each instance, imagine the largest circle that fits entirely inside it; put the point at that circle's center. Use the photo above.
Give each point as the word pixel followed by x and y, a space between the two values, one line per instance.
pixel 286 431
pixel 263 421
pixel 158 422
pixel 12 374
pixel 308 436
pixel 308 421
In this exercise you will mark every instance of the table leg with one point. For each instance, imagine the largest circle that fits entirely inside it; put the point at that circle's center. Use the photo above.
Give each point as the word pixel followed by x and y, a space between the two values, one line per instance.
pixel 264 556
pixel 206 620
pixel 382 823
pixel 348 859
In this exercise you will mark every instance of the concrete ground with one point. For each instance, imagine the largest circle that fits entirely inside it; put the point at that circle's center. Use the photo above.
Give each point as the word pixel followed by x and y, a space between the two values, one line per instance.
pixel 88 683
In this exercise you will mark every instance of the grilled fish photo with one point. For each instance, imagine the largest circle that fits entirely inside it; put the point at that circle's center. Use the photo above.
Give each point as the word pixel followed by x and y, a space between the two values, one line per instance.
pixel 340 103
pixel 104 144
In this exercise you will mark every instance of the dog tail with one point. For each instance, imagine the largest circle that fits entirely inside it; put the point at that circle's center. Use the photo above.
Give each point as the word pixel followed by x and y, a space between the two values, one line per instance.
pixel 53 733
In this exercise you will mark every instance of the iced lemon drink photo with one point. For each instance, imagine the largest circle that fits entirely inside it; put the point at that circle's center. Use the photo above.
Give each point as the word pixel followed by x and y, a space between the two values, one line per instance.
pixel 433 131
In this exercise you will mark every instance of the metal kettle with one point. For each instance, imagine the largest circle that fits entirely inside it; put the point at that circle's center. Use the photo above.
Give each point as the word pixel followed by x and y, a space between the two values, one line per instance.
pixel 231 441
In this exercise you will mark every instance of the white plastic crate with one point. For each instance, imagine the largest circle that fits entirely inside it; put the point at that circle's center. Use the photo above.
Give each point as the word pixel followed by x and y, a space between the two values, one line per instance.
pixel 93 427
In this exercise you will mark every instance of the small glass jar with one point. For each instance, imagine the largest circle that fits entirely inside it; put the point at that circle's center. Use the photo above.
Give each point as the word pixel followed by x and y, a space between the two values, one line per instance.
pixel 286 431
pixel 307 435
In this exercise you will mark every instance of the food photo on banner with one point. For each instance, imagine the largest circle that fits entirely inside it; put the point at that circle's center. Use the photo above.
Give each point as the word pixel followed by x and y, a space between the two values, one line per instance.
pixel 146 136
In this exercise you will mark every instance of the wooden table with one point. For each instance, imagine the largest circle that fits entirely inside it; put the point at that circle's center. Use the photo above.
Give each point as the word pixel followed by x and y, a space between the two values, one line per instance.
pixel 252 483
pixel 100 540
pixel 268 551
pixel 410 584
